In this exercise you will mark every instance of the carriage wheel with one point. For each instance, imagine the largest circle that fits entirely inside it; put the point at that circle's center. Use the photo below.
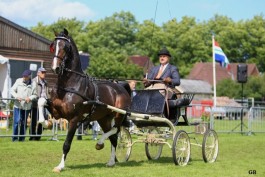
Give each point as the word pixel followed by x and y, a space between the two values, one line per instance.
pixel 210 146
pixel 124 145
pixel 153 149
pixel 181 148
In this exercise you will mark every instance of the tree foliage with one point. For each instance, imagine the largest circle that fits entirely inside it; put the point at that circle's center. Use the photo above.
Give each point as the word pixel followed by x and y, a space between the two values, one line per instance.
pixel 110 42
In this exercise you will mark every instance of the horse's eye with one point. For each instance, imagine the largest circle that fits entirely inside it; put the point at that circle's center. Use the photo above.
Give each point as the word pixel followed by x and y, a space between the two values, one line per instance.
pixel 51 48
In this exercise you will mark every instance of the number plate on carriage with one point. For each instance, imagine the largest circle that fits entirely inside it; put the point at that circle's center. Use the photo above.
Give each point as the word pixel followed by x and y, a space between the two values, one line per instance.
pixel 182 111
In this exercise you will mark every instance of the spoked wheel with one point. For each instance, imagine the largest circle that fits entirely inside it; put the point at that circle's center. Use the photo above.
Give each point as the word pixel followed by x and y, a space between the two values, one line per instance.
pixel 124 145
pixel 153 149
pixel 210 146
pixel 181 148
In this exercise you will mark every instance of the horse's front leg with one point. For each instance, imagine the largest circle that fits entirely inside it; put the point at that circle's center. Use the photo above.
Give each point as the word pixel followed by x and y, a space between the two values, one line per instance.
pixel 66 145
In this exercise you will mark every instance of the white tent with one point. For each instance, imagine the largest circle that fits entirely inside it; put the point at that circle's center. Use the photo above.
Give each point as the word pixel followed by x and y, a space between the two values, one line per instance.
pixel 5 80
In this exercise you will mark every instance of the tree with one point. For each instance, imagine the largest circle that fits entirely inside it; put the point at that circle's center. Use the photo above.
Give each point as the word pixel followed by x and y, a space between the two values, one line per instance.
pixel 112 40
pixel 110 43
pixel 254 88
pixel 186 41
pixel 229 88
pixel 74 26
pixel 255 29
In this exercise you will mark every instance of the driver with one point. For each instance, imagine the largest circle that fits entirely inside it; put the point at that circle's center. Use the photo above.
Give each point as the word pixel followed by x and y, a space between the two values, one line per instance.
pixel 167 75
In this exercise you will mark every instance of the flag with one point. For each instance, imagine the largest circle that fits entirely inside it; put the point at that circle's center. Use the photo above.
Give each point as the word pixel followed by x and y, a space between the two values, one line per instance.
pixel 220 56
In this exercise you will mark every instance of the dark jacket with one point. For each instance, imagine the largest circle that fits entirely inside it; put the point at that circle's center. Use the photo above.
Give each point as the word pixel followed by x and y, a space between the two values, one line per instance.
pixel 170 71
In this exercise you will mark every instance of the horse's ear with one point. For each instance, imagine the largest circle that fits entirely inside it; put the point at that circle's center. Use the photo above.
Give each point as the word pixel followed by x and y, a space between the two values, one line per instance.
pixel 65 32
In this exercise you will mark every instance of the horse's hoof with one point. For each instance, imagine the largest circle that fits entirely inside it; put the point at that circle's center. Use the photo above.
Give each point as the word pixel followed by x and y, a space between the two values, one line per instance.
pixel 99 146
pixel 56 170
pixel 110 165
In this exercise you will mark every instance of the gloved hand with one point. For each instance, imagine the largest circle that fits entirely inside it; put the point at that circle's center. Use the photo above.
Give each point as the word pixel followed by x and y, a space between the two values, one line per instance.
pixel 146 82
pixel 167 80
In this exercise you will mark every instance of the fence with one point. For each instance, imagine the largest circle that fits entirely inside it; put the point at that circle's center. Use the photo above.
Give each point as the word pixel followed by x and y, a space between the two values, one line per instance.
pixel 228 119
pixel 222 119
pixel 56 128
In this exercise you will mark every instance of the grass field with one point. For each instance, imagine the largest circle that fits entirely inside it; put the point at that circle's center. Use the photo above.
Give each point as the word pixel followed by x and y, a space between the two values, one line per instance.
pixel 238 156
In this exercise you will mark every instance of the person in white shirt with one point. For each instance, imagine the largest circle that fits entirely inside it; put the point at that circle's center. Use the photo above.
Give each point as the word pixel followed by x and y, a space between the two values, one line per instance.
pixel 39 113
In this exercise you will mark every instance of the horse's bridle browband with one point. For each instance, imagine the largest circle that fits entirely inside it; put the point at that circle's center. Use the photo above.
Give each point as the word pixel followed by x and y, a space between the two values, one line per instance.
pixel 63 38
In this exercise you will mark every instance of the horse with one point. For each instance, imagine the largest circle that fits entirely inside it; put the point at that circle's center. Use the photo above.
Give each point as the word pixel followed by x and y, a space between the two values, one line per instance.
pixel 73 88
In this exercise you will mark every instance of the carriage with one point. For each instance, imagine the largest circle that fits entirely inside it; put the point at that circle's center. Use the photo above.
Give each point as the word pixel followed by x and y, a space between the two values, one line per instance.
pixel 158 119
pixel 78 97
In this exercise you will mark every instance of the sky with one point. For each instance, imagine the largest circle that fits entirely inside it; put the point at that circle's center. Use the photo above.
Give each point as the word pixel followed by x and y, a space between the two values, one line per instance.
pixel 27 13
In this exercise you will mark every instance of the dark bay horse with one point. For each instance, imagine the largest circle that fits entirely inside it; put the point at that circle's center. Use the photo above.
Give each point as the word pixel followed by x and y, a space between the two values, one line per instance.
pixel 73 88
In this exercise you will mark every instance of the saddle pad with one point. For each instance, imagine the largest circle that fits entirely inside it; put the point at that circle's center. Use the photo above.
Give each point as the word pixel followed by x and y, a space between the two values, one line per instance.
pixel 148 102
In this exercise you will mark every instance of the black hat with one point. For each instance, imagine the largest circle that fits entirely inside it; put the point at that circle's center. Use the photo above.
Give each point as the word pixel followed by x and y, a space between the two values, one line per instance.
pixel 164 51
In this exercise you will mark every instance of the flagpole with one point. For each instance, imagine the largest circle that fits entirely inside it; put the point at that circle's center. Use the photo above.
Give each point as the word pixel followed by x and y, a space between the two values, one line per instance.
pixel 214 74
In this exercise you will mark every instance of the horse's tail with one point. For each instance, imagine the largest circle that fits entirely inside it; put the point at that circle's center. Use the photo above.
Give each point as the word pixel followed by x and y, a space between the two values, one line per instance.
pixel 127 87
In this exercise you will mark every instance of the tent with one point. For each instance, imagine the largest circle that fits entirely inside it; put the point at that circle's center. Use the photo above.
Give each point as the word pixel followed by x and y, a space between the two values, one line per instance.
pixel 5 80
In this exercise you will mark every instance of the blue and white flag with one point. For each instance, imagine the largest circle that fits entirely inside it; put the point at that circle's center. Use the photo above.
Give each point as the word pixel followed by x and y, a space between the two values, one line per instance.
pixel 220 56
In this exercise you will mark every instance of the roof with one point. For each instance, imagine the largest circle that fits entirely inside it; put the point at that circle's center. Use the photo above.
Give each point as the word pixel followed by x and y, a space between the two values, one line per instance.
pixel 204 71
pixel 24 30
pixel 227 102
pixel 194 86
pixel 142 61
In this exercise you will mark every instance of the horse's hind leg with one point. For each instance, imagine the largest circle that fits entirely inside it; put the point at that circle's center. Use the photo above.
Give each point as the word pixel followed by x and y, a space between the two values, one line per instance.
pixel 100 143
pixel 112 135
pixel 66 146
pixel 113 140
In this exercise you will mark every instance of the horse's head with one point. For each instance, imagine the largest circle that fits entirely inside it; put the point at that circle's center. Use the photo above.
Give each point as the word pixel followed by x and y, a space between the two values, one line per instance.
pixel 61 48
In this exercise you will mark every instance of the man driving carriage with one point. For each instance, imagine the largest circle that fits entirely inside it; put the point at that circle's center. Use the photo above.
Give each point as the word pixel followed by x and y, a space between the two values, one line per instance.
pixel 165 76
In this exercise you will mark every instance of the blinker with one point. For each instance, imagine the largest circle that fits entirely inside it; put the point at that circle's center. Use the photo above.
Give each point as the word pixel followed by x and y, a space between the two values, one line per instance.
pixel 52 47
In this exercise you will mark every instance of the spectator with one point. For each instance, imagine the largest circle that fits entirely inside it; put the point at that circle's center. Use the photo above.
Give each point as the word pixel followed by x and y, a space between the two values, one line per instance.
pixel 95 129
pixel 132 84
pixel 82 128
pixel 39 111
pixel 24 92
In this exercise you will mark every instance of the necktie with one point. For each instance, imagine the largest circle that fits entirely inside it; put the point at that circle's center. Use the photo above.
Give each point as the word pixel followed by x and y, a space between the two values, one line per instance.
pixel 159 72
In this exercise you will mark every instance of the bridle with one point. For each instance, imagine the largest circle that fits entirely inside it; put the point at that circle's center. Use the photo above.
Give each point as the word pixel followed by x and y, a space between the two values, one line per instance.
pixel 67 49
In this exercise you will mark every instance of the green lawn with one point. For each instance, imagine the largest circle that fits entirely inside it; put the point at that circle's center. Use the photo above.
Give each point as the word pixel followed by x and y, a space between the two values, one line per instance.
pixel 238 154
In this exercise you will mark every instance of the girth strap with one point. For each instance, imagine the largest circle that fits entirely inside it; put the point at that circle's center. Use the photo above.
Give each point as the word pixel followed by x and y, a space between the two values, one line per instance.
pixel 71 90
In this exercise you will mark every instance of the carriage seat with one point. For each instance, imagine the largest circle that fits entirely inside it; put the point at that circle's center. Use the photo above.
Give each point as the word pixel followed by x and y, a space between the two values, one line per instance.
pixel 176 104
pixel 180 102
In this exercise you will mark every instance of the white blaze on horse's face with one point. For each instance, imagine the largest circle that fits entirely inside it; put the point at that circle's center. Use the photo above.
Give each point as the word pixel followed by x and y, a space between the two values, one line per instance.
pixel 55 59
pixel 59 54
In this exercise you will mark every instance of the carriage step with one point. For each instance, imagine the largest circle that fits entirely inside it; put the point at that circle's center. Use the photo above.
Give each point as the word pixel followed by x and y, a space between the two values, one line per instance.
pixel 182 124
pixel 187 123
pixel 195 123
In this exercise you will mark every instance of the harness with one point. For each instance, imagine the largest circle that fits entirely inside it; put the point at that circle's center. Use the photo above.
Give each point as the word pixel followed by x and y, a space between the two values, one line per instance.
pixel 95 101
